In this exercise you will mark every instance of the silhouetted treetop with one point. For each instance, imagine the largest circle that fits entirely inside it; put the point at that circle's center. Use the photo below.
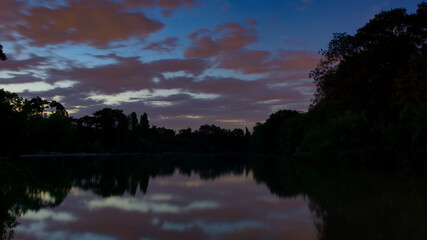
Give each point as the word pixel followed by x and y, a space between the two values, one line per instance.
pixel 362 68
pixel 2 54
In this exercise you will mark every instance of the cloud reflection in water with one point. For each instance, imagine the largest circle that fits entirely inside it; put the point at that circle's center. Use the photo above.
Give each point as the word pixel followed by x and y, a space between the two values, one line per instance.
pixel 228 207
pixel 130 204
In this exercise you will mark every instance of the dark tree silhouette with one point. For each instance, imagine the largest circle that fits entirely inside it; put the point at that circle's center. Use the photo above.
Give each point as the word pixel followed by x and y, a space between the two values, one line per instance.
pixel 370 103
pixel 370 88
pixel 362 70
pixel 144 125
pixel 266 137
pixel 2 54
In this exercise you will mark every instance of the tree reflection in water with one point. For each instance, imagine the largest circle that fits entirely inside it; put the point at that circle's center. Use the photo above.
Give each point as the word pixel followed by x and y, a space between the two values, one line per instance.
pixel 349 203
pixel 354 202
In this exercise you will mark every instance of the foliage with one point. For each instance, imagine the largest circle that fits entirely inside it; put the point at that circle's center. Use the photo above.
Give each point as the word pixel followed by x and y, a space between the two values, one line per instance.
pixel 371 101
pixel 370 105
pixel 40 126
pixel 266 137
pixel 2 54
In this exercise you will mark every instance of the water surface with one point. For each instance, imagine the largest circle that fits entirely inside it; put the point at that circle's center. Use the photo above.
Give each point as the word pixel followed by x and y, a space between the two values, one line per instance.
pixel 207 197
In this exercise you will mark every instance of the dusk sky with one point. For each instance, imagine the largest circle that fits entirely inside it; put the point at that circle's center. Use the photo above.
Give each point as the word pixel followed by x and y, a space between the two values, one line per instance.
pixel 184 62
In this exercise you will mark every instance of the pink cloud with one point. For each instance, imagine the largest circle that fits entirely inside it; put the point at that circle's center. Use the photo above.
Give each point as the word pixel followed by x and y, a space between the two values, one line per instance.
pixel 205 47
pixel 249 100
pixel 193 66
pixel 168 4
pixel 166 13
pixel 234 89
pixel 251 22
pixel 30 63
pixel 91 22
pixel 165 45
pixel 237 37
pixel 9 9
pixel 139 3
pixel 127 74
pixel 10 13
pixel 297 60
pixel 231 36
pixel 228 44
pixel 175 3
pixel 249 62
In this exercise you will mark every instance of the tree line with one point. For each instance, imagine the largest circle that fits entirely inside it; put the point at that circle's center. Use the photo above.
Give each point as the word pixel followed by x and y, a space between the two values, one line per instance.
pixel 370 104
pixel 371 97
pixel 40 126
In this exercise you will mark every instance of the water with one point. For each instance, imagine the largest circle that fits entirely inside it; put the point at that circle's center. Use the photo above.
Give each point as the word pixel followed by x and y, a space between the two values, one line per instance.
pixel 207 197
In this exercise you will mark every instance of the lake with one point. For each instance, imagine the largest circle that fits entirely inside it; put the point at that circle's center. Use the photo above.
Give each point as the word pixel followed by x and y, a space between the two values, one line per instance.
pixel 207 197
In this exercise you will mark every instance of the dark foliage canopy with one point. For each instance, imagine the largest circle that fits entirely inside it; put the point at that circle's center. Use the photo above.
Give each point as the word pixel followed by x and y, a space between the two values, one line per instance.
pixel 2 54
pixel 371 98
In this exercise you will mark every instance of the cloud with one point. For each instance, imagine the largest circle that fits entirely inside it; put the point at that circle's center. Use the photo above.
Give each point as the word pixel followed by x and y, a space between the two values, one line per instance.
pixel 31 62
pixel 45 214
pixel 41 230
pixel 165 45
pixel 246 61
pixel 250 62
pixel 10 13
pixel 168 4
pixel 175 3
pixel 171 90
pixel 239 103
pixel 231 36
pixel 289 60
pixel 91 22
pixel 126 74
pixel 195 66
pixel 37 86
pixel 231 88
pixel 220 79
pixel 228 102
pixel 213 228
pixel 166 13
pixel 251 22
pixel 128 204
pixel 12 78
pixel 227 45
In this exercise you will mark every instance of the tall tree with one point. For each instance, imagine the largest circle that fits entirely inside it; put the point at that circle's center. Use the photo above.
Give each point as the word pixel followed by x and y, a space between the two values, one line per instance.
pixel 133 122
pixel 2 54
pixel 362 71
pixel 371 86
pixel 144 124
pixel 106 122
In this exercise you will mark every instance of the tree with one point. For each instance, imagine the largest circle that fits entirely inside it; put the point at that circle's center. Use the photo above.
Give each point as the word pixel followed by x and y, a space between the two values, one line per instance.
pixel 266 136
pixel 133 122
pixel 144 124
pixel 106 122
pixel 370 98
pixel 35 107
pixel 58 108
pixel 2 54
pixel 12 124
pixel 361 71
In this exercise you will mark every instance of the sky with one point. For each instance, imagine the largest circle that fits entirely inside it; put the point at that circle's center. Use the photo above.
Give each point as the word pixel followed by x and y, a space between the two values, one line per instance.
pixel 184 62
